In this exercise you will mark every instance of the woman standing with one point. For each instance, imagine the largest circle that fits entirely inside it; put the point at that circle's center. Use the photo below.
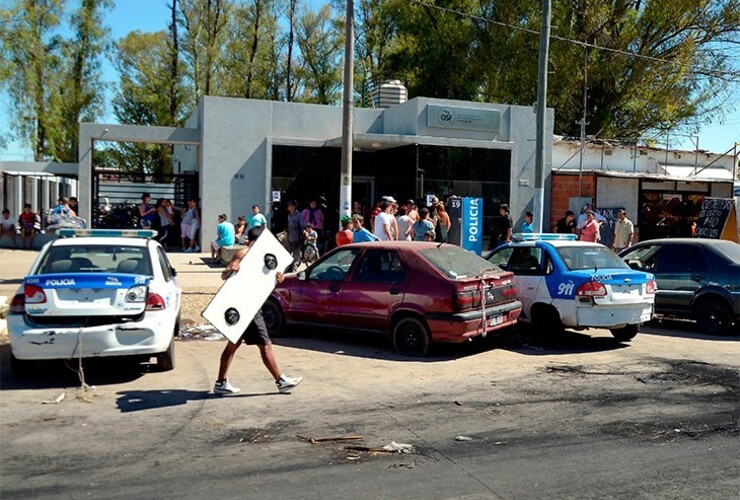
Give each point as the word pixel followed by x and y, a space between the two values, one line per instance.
pixel 590 230
pixel 163 215
pixel 444 223
pixel 147 212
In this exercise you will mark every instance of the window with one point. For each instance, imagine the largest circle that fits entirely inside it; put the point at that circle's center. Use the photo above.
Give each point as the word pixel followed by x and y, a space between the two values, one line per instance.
pixel 380 266
pixel 164 263
pixel 96 259
pixel 335 267
pixel 590 257
pixel 526 260
pixel 681 259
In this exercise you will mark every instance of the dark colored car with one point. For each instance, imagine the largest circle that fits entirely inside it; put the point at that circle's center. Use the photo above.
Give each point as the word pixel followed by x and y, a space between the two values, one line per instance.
pixel 697 279
pixel 417 292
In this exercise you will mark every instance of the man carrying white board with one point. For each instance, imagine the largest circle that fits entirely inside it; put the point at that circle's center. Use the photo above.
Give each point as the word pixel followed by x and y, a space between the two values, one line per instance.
pixel 255 334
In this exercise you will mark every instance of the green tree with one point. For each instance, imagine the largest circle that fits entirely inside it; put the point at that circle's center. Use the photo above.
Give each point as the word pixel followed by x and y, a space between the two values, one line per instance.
pixel 81 92
pixel 248 54
pixel 33 53
pixel 205 23
pixel 320 40
pixel 144 62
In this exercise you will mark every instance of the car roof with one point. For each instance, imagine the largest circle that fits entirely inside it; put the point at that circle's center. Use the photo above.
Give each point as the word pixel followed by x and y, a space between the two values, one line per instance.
pixel 556 243
pixel 414 245
pixel 108 240
pixel 691 241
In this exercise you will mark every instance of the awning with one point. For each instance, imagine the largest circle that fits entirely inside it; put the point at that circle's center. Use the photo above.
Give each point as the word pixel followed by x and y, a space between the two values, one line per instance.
pixel 698 173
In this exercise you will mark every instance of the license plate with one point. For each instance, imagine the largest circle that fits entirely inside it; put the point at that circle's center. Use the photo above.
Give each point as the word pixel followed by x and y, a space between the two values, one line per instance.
pixel 496 320
pixel 645 317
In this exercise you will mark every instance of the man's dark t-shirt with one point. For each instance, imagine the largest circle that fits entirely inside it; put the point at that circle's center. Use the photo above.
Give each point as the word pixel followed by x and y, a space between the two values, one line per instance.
pixel 505 223
pixel 565 227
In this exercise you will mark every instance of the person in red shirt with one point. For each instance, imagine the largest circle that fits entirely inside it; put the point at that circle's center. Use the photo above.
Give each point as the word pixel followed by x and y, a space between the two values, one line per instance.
pixel 590 230
pixel 27 222
pixel 345 236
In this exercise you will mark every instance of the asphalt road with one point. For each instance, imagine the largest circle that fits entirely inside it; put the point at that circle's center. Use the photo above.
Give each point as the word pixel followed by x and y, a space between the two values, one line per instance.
pixel 515 417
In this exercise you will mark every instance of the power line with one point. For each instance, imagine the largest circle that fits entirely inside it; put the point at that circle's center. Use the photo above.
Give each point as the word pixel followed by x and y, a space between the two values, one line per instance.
pixel 730 76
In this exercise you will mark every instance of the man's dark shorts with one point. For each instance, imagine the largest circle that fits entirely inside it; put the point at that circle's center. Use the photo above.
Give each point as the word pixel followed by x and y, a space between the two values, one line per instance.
pixel 256 332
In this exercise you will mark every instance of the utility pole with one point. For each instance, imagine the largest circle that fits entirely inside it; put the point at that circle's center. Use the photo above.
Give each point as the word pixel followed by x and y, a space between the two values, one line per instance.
pixel 582 123
pixel 539 173
pixel 345 181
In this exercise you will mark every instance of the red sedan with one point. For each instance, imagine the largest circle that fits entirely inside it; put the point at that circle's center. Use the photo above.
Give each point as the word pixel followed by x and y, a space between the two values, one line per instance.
pixel 417 292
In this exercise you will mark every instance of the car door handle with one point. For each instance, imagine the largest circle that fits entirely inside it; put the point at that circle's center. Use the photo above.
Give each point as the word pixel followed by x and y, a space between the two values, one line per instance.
pixel 334 288
pixel 394 291
pixel 697 278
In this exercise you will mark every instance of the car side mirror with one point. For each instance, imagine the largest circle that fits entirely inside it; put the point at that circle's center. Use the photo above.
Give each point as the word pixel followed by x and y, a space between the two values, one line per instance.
pixel 173 271
pixel 503 266
pixel 302 276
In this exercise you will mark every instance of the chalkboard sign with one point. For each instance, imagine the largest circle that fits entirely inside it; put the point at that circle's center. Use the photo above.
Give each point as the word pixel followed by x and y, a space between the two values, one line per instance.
pixel 713 217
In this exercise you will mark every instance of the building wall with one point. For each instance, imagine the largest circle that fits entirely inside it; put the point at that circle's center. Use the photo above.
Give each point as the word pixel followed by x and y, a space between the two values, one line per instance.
pixel 565 188
pixel 238 134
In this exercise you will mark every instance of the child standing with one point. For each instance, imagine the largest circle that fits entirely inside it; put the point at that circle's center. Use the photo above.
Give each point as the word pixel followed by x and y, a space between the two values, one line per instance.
pixel 311 253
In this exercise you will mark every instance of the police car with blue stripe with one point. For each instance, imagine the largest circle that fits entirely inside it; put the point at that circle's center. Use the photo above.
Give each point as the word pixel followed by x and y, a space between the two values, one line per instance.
pixel 564 283
pixel 97 293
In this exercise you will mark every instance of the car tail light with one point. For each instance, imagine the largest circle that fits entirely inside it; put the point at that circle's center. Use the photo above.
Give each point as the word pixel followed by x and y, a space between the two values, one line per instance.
pixel 651 287
pixel 591 289
pixel 154 302
pixel 18 304
pixel 34 294
pixel 510 292
pixel 462 301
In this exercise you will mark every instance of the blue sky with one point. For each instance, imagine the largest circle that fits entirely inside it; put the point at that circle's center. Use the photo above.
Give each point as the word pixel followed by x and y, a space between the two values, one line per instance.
pixel 153 15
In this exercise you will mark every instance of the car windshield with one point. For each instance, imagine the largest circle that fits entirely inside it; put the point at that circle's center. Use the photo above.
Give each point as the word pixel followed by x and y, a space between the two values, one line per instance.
pixel 456 263
pixel 96 259
pixel 577 258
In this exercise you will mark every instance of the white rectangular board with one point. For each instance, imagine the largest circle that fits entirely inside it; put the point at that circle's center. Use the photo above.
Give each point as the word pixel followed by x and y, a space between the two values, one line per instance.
pixel 246 290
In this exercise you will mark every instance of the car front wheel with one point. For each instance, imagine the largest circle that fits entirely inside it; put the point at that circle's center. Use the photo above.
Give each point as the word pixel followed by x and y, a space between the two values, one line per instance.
pixel 714 317
pixel 626 333
pixel 274 319
pixel 411 338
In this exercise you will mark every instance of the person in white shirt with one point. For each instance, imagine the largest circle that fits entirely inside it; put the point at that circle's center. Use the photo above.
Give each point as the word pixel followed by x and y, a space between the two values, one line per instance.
pixel 7 225
pixel 383 226
pixel 405 221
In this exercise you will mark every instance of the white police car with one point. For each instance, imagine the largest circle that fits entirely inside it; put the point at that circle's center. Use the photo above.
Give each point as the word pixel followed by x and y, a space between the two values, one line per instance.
pixel 564 283
pixel 99 293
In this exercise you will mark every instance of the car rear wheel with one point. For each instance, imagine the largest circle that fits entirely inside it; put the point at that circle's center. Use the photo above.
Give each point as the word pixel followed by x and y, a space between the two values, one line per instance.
pixel 166 359
pixel 274 319
pixel 714 317
pixel 626 333
pixel 546 321
pixel 411 337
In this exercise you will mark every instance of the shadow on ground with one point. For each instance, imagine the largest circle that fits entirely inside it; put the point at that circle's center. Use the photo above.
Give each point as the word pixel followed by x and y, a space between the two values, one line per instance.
pixel 61 374
pixel 129 401
pixel 381 347
pixel 685 329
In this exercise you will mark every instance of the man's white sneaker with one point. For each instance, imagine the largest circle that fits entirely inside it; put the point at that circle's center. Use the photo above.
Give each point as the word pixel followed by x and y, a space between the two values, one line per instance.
pixel 187 250
pixel 197 249
pixel 224 387
pixel 285 384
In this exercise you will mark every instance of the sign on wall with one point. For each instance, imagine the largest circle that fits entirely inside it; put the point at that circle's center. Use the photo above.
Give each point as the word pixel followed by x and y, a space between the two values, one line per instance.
pixel 454 117
pixel 472 225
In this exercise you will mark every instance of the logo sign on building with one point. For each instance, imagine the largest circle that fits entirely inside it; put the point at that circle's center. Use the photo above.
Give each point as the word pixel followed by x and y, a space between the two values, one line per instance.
pixel 454 117
pixel 472 225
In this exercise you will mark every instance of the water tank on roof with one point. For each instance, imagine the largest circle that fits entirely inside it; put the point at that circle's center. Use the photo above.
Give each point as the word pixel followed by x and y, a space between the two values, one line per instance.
pixel 389 93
